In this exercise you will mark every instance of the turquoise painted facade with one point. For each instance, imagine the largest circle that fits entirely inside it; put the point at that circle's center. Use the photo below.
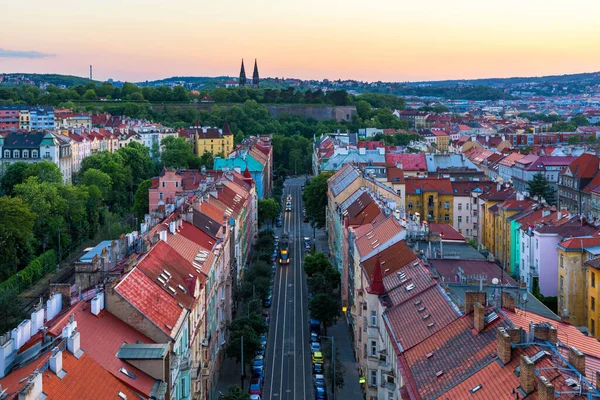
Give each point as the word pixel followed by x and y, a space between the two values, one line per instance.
pixel 181 364
pixel 241 161
pixel 515 248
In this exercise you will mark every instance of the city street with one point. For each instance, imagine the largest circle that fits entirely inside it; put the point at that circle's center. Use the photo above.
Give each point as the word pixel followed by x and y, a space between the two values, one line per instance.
pixel 288 362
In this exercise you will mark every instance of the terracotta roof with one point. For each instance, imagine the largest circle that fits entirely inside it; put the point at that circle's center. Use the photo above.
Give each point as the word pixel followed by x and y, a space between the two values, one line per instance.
pixel 584 166
pixel 163 261
pixel 377 236
pixel 450 234
pixel 511 158
pixel 409 161
pixel 593 186
pixel 197 236
pixel 206 224
pixel 152 301
pixel 212 211
pixel 449 269
pixel 579 243
pixel 421 185
pixel 392 259
pixel 395 175
pixel 456 353
pixel 411 320
pixel 366 215
pixel 409 280
pixel 101 338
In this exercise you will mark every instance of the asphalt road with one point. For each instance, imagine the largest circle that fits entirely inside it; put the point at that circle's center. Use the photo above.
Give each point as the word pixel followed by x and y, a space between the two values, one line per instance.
pixel 288 360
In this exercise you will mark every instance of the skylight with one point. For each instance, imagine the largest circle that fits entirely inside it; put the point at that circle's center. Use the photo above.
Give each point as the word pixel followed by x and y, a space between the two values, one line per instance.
pixel 128 373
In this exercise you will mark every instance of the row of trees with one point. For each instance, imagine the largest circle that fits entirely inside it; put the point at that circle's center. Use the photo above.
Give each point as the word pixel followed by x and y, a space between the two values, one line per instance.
pixel 323 287
pixel 315 199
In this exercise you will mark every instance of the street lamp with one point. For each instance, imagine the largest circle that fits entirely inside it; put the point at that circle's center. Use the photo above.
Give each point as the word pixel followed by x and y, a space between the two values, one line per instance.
pixel 333 362
pixel 251 301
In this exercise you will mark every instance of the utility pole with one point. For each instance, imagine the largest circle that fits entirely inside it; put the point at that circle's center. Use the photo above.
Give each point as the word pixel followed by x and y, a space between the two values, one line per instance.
pixel 242 375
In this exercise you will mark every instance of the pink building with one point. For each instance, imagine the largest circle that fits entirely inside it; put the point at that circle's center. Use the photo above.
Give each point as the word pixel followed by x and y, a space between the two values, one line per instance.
pixel 9 118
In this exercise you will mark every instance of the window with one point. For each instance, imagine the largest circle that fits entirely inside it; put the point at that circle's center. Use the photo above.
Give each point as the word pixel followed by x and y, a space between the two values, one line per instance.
pixel 373 318
pixel 176 184
pixel 6 153
pixel 446 218
pixel 184 387
pixel 410 205
pixel 15 153
pixel 447 205
pixel 25 153
pixel 373 348
pixel 163 184
pixel 537 243
pixel 459 206
pixel 467 219
pixel 593 279
pixel 365 350
pixel 467 206
pixel 47 155
pixel 593 304
pixel 373 378
pixel 467 232
pixel 160 196
pixel 562 260
pixel 562 283
pixel 460 219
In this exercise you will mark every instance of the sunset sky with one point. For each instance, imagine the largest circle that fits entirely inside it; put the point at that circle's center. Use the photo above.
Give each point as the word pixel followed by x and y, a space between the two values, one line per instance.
pixel 388 40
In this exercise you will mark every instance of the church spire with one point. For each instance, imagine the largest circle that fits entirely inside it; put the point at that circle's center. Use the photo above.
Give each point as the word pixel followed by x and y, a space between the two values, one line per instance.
pixel 255 78
pixel 242 81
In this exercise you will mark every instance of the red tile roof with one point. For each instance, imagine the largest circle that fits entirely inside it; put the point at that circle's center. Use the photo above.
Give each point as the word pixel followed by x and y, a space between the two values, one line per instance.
pixel 450 234
pixel 197 236
pixel 470 270
pixel 410 320
pixel 410 162
pixel 181 280
pixel 101 338
pixel 377 236
pixel 584 166
pixel 366 215
pixel 152 301
pixel 395 175
pixel 392 259
pixel 579 243
pixel 441 186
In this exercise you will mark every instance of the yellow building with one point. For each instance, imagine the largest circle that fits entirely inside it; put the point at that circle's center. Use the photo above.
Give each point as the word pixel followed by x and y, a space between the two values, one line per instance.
pixel 24 120
pixel 593 294
pixel 489 222
pixel 212 140
pixel 432 198
pixel 506 212
pixel 442 140
pixel 575 291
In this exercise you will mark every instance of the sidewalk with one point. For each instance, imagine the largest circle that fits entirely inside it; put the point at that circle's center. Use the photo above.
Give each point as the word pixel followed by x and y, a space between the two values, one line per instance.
pixel 229 375
pixel 351 389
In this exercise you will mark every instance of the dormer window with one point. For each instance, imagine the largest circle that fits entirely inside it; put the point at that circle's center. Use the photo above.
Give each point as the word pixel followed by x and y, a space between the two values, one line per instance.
pixel 25 153
pixel 34 154
pixel 6 153
pixel 15 153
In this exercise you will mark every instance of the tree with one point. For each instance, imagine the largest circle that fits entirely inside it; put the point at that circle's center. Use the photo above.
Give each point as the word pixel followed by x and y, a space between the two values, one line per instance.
pixel 137 157
pixel 539 186
pixel 90 95
pixel 176 152
pixel 99 179
pixel 141 202
pixel 13 175
pixel 315 199
pixel 326 308
pixel 316 263
pixel 235 393
pixel 207 159
pixel 16 232
pixel 268 210
pixel 573 140
pixel 45 171
pixel 251 344
pixel 363 109
pixel 340 369
pixel 12 311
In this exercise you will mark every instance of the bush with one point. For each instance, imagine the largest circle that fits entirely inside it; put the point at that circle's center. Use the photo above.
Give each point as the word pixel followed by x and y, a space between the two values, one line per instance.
pixel 34 271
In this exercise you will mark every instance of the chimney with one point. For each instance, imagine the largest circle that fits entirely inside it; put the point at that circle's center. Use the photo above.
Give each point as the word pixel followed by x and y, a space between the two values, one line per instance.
pixel 472 298
pixel 545 389
pixel 515 335
pixel 598 381
pixel 56 361
pixel 7 355
pixel 577 360
pixel 553 335
pixel 479 315
pixel 74 346
pixel 541 331
pixel 33 389
pixel 503 346
pixel 527 376
pixel 508 301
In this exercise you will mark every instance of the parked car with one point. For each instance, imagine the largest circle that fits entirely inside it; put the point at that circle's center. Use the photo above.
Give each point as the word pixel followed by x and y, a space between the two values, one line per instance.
pixel 317 368
pixel 258 365
pixel 266 317
pixel 319 380
pixel 278 223
pixel 255 386
pixel 317 357
pixel 260 377
pixel 263 340
pixel 267 300
pixel 320 393
pixel 314 337
pixel 254 397
pixel 315 346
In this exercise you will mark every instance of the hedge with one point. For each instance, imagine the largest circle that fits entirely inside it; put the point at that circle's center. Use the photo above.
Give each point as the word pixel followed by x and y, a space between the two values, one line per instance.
pixel 34 271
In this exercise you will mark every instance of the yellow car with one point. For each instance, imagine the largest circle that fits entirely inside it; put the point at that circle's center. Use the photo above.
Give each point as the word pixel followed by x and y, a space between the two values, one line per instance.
pixel 317 357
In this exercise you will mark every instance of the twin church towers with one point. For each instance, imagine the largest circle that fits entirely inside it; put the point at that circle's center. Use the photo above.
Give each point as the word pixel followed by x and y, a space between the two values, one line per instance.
pixel 255 79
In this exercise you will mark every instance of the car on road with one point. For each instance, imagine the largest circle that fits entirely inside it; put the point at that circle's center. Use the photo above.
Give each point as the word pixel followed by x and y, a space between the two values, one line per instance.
pixel 288 206
pixel 317 357
pixel 254 397
pixel 315 346
pixel 263 340
pixel 289 198
pixel 278 223
pixel 255 386
pixel 314 337
pixel 319 380
pixel 258 365
pixel 320 393
pixel 267 300
pixel 266 317
pixel 317 368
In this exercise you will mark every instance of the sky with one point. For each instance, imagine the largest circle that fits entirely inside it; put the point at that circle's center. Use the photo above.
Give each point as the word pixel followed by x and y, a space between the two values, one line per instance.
pixel 387 40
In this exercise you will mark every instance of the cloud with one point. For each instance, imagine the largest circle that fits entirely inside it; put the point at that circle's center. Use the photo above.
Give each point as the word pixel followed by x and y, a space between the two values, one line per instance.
pixel 23 54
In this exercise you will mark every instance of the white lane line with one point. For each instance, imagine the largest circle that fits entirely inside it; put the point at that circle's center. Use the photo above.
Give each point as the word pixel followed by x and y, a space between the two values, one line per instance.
pixel 283 335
